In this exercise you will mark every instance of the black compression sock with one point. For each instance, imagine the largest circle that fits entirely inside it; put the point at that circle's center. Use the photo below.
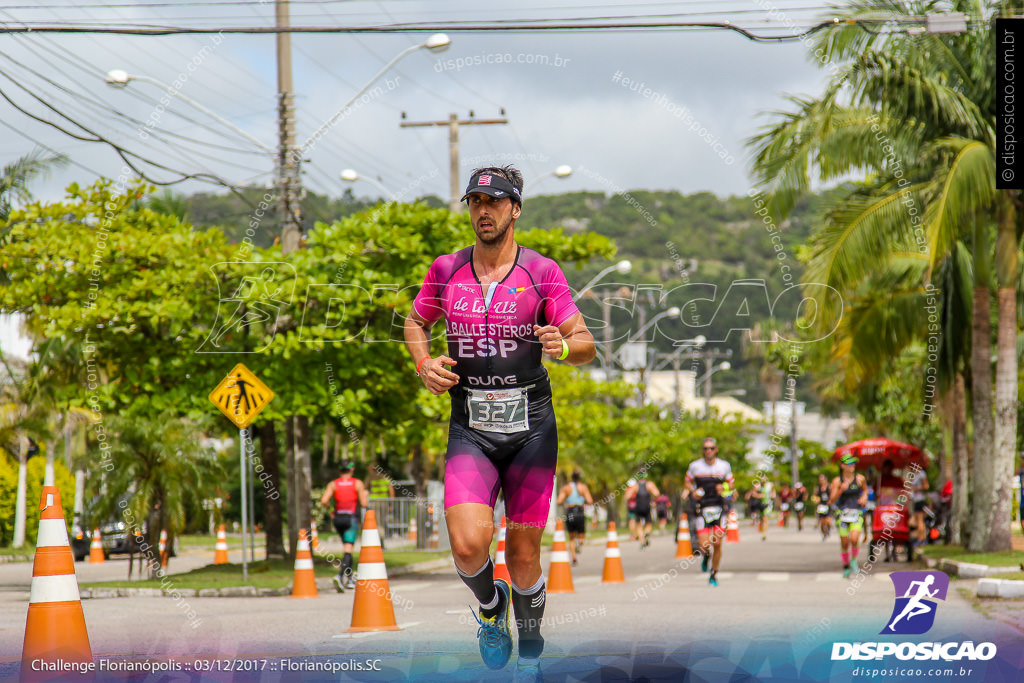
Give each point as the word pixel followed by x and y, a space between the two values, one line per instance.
pixel 481 583
pixel 346 565
pixel 529 609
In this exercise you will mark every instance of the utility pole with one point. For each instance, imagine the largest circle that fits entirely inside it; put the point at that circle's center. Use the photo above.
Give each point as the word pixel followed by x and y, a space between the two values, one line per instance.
pixel 709 356
pixel 289 189
pixel 288 183
pixel 453 123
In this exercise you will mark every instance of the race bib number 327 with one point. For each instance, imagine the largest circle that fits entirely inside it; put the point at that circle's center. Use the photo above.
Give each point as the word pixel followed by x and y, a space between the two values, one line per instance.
pixel 502 410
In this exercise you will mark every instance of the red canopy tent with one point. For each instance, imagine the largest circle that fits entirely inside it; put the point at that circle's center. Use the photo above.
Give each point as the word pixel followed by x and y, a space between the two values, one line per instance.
pixel 873 452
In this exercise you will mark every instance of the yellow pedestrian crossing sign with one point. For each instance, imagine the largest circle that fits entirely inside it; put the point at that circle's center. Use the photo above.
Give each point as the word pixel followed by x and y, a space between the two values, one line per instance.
pixel 241 396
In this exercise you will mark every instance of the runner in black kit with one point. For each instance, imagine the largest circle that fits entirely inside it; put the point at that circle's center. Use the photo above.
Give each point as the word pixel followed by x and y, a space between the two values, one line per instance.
pixel 643 493
pixel 824 510
pixel 799 503
pixel 505 307
pixel 706 479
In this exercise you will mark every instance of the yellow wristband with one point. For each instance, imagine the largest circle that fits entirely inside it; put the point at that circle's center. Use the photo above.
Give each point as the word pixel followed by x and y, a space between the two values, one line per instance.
pixel 565 351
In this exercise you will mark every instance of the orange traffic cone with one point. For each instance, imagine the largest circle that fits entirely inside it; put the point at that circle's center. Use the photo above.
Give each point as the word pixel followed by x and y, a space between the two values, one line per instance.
pixel 372 609
pixel 96 549
pixel 304 585
pixel 315 543
pixel 683 546
pixel 220 554
pixel 412 530
pixel 612 559
pixel 163 547
pixel 560 574
pixel 732 528
pixel 55 629
pixel 782 519
pixel 435 534
pixel 500 568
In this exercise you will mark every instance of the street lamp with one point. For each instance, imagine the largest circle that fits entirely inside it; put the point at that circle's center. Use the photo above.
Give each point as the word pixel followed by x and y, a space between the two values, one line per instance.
pixel 562 171
pixel 706 380
pixel 438 42
pixel 622 267
pixel 350 176
pixel 119 78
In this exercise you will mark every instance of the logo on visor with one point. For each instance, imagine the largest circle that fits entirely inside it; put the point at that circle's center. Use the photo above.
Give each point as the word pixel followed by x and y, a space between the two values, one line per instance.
pixel 914 612
pixel 483 180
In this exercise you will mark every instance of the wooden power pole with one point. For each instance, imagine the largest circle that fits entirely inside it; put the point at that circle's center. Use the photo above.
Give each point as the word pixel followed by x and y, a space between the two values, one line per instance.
pixel 453 123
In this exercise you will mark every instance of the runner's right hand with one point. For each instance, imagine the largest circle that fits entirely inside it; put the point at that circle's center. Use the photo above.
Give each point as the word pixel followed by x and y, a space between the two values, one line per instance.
pixel 437 378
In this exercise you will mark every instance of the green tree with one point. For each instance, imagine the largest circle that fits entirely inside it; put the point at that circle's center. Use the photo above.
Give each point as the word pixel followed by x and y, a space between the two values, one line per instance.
pixel 921 119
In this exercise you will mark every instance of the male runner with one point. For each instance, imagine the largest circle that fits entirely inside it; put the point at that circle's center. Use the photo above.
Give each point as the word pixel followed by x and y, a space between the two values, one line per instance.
pixel 707 478
pixel 574 496
pixel 799 502
pixel 643 493
pixel 347 494
pixel 785 494
pixel 821 495
pixel 755 508
pixel 505 307
pixel 849 493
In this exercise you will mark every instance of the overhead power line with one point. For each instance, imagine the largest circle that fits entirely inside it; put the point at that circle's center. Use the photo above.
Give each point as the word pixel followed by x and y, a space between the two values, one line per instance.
pixel 576 27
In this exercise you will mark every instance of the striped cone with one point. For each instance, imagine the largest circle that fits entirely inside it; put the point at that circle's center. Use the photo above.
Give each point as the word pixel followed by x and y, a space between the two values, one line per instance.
pixel 500 568
pixel 683 546
pixel 304 585
pixel 412 530
pixel 55 629
pixel 163 547
pixel 372 609
pixel 732 528
pixel 220 554
pixel 782 519
pixel 612 559
pixel 315 542
pixel 560 574
pixel 435 534
pixel 96 549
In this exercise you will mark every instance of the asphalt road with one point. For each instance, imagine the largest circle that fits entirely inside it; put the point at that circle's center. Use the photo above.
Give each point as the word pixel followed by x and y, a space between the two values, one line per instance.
pixel 786 592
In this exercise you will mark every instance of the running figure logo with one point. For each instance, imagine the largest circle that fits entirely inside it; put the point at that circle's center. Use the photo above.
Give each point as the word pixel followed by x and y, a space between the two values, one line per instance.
pixel 916 592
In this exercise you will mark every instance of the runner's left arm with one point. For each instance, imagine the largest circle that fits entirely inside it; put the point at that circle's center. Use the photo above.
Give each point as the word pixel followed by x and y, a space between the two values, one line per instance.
pixel 575 334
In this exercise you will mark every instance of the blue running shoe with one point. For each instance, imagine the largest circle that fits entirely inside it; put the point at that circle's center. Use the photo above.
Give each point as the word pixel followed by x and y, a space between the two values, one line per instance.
pixel 713 580
pixel 494 633
pixel 846 572
pixel 853 565
pixel 704 562
pixel 528 670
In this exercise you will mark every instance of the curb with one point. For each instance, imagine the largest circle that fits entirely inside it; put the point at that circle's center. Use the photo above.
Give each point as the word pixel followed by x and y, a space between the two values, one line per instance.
pixel 1000 588
pixel 987 587
pixel 11 559
pixel 322 585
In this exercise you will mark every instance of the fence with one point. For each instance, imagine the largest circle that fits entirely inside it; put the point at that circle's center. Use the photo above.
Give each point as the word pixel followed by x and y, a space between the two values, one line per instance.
pixel 394 520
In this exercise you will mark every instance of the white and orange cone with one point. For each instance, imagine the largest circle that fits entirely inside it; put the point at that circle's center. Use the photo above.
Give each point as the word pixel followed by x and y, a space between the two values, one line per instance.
pixel 304 584
pixel 612 559
pixel 220 554
pixel 372 609
pixel 560 573
pixel 435 534
pixel 163 547
pixel 732 528
pixel 412 529
pixel 684 548
pixel 500 568
pixel 96 549
pixel 315 542
pixel 55 629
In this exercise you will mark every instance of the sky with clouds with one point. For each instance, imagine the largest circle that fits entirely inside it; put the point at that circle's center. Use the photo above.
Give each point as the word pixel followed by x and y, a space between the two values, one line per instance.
pixel 695 95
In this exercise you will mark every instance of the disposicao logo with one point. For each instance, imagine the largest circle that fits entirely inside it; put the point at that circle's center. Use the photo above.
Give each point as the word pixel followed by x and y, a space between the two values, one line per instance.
pixel 916 593
pixel 914 614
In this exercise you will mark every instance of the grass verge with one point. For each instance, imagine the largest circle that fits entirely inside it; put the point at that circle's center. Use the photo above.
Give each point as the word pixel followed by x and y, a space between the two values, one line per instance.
pixel 1004 558
pixel 262 574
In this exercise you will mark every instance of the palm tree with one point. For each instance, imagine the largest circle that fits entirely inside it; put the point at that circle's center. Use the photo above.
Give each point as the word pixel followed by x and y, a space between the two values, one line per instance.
pixel 921 122
pixel 160 475
pixel 15 177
